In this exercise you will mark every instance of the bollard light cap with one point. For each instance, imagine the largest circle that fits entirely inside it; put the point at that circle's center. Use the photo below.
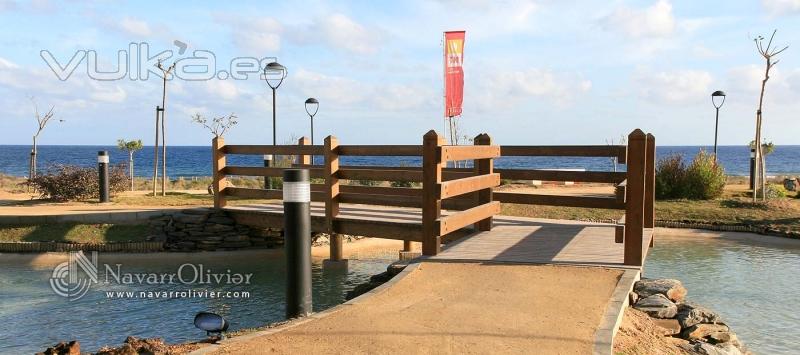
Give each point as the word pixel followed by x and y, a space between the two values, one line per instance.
pixel 296 185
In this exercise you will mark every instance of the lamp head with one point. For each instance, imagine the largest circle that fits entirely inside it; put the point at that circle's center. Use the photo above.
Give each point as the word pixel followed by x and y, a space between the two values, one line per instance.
pixel 273 74
pixel 312 104
pixel 211 323
pixel 715 96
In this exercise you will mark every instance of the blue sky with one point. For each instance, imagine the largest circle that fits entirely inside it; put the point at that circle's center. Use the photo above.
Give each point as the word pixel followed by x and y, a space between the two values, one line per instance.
pixel 536 72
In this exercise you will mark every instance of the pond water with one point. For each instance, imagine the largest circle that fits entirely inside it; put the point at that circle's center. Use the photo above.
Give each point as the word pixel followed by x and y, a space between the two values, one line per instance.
pixel 751 280
pixel 33 317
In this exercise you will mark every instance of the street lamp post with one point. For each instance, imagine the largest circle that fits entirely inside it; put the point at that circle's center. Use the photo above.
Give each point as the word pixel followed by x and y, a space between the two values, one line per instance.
pixel 714 97
pixel 274 73
pixel 312 104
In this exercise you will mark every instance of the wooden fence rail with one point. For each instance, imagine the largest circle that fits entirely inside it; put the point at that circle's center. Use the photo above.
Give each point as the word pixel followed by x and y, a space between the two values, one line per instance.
pixel 469 191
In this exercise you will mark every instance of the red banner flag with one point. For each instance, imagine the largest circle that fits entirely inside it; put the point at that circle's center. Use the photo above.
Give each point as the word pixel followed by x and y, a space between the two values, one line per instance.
pixel 453 72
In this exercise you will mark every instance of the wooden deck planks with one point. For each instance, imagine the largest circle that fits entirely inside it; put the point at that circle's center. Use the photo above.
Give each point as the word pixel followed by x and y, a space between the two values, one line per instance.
pixel 512 240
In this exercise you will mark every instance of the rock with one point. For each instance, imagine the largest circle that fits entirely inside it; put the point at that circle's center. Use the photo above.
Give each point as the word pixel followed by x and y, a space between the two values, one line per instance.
pixel 396 267
pixel 221 220
pixel 189 218
pixel 237 238
pixel 198 211
pixel 671 288
pixel 670 326
pixel 632 297
pixel 657 306
pixel 63 348
pixel 702 331
pixel 218 228
pixel 709 349
pixel 690 314
pixel 724 337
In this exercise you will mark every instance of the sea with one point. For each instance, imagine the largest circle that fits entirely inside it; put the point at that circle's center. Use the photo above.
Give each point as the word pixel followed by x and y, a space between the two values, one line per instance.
pixel 192 161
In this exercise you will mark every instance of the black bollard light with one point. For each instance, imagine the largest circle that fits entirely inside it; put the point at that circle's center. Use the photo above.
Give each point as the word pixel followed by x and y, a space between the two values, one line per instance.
pixel 267 164
pixel 102 168
pixel 752 167
pixel 297 241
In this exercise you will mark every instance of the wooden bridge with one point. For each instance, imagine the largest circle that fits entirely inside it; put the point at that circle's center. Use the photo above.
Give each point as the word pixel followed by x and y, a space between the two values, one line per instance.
pixel 458 203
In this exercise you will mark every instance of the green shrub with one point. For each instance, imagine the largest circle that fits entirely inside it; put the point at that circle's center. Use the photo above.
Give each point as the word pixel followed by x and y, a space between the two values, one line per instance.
pixel 70 183
pixel 366 182
pixel 776 191
pixel 705 178
pixel 670 177
pixel 406 184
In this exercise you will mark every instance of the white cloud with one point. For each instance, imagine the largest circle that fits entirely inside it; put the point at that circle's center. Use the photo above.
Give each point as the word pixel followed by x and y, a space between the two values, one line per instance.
pixel 101 94
pixel 336 91
pixel 781 7
pixel 514 86
pixel 134 27
pixel 653 21
pixel 224 89
pixel 260 36
pixel 7 64
pixel 338 32
pixel 678 86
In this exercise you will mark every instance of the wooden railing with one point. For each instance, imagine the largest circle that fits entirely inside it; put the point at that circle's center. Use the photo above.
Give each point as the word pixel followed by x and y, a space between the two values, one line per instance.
pixel 466 191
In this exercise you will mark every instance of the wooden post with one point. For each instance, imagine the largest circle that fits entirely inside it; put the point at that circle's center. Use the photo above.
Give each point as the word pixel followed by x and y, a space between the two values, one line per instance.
pixel 634 199
pixel 484 167
pixel 303 159
pixel 332 196
pixel 650 184
pixel 431 186
pixel 219 181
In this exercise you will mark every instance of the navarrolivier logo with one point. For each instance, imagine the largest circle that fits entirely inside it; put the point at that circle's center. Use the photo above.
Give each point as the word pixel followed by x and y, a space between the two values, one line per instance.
pixel 73 278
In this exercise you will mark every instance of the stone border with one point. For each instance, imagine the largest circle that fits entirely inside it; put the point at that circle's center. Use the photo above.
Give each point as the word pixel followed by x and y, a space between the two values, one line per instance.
pixel 42 247
pixel 612 318
pixel 88 218
pixel 299 321
pixel 746 228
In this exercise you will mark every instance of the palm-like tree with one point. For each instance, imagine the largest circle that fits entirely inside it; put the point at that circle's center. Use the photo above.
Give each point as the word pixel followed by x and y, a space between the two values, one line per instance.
pixel 131 147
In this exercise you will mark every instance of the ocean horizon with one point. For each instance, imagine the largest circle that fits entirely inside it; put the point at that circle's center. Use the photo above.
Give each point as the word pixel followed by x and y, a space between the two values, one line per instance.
pixel 191 161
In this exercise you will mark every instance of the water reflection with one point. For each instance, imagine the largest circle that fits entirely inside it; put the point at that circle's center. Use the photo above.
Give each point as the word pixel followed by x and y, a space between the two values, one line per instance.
pixel 33 317
pixel 750 280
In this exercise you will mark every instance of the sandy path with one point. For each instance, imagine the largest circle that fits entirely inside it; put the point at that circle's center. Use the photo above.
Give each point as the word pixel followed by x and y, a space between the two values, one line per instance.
pixel 459 309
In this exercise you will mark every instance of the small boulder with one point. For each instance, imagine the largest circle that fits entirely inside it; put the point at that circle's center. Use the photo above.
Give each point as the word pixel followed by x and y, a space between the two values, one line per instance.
pixel 703 331
pixel 657 306
pixel 690 314
pixel 64 348
pixel 669 326
pixel 709 349
pixel 671 288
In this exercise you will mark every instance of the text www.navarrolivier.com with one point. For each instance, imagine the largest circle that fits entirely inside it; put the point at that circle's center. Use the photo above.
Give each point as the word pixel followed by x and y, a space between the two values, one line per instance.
pixel 177 294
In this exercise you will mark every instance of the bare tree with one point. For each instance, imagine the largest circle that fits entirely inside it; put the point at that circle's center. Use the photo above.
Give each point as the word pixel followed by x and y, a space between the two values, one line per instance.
pixel 768 53
pixel 622 141
pixel 165 75
pixel 42 121
pixel 218 125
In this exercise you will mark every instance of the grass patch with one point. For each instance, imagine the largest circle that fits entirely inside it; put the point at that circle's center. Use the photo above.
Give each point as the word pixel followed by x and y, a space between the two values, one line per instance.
pixel 734 208
pixel 74 232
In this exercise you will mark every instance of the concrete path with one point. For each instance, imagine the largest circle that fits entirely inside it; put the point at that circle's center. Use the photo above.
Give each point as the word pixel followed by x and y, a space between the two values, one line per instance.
pixel 454 308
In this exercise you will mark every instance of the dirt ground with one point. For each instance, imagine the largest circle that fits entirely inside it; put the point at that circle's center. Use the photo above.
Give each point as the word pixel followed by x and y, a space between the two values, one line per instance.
pixel 455 308
pixel 638 335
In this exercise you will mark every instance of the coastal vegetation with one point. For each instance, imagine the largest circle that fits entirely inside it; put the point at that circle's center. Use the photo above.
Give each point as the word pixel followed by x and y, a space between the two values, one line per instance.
pixel 703 179
pixel 71 183
pixel 733 207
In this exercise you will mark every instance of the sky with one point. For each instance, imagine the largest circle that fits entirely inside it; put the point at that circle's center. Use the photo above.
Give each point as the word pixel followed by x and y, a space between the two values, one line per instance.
pixel 536 72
